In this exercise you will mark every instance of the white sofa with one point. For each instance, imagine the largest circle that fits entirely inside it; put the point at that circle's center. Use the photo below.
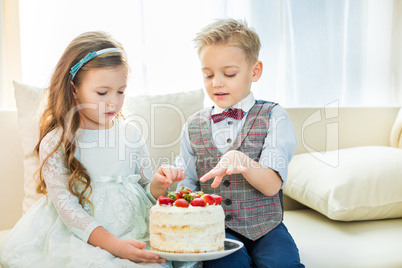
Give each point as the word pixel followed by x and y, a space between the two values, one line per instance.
pixel 322 242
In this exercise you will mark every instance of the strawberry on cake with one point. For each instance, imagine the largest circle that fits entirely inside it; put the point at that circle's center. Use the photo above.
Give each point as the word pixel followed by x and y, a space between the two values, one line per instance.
pixel 187 222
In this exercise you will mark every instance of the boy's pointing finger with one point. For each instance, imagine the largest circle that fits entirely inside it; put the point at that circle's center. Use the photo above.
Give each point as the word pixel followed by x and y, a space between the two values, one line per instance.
pixel 210 175
pixel 217 181
pixel 207 176
pixel 213 173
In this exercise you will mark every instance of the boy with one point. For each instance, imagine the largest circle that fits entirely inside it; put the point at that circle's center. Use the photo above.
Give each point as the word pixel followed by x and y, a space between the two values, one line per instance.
pixel 245 144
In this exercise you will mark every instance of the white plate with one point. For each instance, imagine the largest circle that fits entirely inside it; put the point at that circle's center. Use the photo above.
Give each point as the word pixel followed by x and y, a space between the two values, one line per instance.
pixel 230 246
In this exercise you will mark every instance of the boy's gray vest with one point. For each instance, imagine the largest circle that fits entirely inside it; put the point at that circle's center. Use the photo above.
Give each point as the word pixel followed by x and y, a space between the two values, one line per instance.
pixel 248 211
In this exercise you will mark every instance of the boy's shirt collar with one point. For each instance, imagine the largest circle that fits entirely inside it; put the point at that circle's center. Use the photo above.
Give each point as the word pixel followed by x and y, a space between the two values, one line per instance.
pixel 245 104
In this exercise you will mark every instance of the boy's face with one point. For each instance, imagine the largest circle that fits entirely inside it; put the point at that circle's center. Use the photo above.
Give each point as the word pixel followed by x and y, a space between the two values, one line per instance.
pixel 227 74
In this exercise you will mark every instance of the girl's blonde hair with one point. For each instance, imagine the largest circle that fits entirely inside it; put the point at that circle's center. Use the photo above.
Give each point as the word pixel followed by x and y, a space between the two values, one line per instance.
pixel 59 112
pixel 230 32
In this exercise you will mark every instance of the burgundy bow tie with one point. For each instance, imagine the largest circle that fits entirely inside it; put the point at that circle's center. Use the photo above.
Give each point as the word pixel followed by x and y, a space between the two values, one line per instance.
pixel 235 113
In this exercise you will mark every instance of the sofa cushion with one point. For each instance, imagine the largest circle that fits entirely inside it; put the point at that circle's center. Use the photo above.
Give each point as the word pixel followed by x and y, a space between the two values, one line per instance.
pixel 363 183
pixel 159 117
pixel 326 243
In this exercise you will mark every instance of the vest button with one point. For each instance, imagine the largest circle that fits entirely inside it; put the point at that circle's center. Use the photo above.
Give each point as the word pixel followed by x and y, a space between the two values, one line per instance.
pixel 228 202
pixel 228 218
pixel 229 140
pixel 226 183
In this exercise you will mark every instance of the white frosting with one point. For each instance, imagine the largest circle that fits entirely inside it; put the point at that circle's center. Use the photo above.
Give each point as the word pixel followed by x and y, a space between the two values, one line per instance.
pixel 192 229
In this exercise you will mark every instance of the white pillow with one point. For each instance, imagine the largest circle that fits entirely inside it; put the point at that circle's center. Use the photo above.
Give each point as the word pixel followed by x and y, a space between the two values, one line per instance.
pixel 160 117
pixel 28 101
pixel 365 185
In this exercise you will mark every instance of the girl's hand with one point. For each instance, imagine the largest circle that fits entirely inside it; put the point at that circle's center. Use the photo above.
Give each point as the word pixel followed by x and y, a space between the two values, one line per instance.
pixel 130 249
pixel 164 177
pixel 230 163
pixel 133 250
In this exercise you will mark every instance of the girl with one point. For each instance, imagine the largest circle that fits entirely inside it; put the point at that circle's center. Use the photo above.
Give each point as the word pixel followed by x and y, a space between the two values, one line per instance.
pixel 94 171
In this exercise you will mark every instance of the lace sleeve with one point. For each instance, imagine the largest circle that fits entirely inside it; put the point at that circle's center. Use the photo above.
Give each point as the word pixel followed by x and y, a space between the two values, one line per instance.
pixel 56 176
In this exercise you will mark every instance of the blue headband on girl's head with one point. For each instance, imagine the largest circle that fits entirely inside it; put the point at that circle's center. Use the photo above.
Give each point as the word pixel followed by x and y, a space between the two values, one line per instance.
pixel 89 57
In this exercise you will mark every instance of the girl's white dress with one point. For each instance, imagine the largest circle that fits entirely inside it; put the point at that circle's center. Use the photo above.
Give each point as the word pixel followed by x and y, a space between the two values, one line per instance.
pixel 55 231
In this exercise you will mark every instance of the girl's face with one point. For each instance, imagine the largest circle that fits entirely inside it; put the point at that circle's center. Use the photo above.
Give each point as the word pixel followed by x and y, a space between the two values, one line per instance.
pixel 100 96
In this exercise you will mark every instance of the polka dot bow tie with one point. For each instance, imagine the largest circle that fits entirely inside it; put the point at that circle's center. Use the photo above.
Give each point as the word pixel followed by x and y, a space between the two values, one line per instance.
pixel 234 113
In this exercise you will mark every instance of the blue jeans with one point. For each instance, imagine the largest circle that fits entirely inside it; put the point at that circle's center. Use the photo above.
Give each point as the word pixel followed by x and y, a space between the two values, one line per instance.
pixel 275 249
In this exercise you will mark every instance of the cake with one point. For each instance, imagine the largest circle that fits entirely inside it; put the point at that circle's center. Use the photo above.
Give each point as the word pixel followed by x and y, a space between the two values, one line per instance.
pixel 186 222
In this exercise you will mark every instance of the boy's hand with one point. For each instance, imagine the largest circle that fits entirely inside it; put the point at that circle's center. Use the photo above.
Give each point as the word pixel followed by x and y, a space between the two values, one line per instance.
pixel 164 177
pixel 230 163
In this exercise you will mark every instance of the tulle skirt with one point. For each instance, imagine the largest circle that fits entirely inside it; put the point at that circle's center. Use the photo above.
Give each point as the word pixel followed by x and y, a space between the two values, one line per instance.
pixel 41 239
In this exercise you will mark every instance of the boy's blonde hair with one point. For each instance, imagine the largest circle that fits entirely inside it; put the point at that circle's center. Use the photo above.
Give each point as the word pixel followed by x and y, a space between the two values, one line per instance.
pixel 230 32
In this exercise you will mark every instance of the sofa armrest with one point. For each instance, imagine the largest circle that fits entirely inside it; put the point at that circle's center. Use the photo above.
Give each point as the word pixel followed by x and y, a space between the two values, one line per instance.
pixel 11 170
